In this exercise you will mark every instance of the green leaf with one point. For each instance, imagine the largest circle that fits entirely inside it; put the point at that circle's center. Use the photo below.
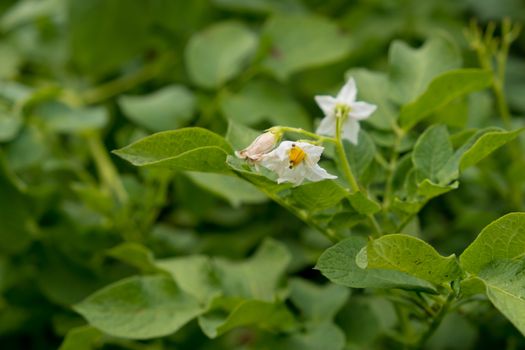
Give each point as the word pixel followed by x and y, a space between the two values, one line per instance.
pixel 65 119
pixel 9 126
pixel 234 190
pixel 320 336
pixel 194 275
pixel 15 214
pixel 168 108
pixel 257 277
pixel 139 308
pixel 409 255
pixel 320 39
pixel 262 314
pixel 411 70
pixel 373 88
pixel 115 30
pixel 263 100
pixel 317 303
pixel 134 254
pixel 477 147
pixel 501 239
pixel 429 190
pixel 443 90
pixel 338 264
pixel 360 156
pixel 431 152
pixel 192 149
pixel 261 6
pixel 318 195
pixel 81 338
pixel 218 53
pixel 362 204
pixel 240 136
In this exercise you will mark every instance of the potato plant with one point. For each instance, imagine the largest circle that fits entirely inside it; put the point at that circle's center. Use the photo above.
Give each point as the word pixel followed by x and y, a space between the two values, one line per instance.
pixel 258 174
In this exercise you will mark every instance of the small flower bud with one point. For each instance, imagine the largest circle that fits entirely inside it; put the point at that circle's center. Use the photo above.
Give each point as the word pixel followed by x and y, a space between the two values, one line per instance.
pixel 263 144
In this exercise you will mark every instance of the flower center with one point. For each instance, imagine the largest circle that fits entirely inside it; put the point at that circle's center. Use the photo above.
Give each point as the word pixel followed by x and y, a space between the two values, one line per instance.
pixel 342 110
pixel 296 156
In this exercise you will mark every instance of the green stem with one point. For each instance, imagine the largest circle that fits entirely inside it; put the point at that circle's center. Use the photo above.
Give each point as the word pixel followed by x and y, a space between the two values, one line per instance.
pixel 389 191
pixel 122 84
pixel 304 132
pixel 107 172
pixel 436 321
pixel 342 156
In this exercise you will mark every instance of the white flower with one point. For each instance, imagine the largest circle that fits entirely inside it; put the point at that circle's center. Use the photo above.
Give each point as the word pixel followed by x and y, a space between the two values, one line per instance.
pixel 296 161
pixel 263 144
pixel 351 110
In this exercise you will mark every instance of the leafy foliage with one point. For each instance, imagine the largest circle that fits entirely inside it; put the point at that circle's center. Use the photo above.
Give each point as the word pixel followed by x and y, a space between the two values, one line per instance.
pixel 128 220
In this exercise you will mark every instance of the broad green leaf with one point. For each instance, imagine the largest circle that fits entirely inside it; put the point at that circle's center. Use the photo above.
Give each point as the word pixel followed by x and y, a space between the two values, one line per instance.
pixel 28 11
pixel 194 275
pixel 318 195
pixel 115 30
pixel 234 190
pixel 361 155
pixel 263 100
pixel 168 108
pixel 373 88
pixel 441 91
pixel 338 264
pixel 501 239
pixel 81 338
pixel 317 303
pixel 192 149
pixel 409 255
pixel 477 147
pixel 139 308
pixel 218 53
pixel 320 336
pixel 429 190
pixel 15 214
pixel 11 60
pixel 261 180
pixel 65 119
pixel 411 70
pixel 505 282
pixel 262 314
pixel 134 254
pixel 432 151
pixel 262 6
pixel 240 136
pixel 257 277
pixel 321 42
pixel 9 126
pixel 362 204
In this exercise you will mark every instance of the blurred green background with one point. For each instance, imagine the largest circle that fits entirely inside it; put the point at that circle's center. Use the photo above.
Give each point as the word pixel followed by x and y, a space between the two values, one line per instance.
pixel 79 78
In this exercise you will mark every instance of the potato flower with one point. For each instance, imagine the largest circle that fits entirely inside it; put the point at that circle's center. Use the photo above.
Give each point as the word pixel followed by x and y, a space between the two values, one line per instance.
pixel 296 161
pixel 263 144
pixel 344 106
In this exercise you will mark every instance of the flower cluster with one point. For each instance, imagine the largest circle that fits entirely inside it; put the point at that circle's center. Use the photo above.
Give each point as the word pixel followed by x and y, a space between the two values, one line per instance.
pixel 296 161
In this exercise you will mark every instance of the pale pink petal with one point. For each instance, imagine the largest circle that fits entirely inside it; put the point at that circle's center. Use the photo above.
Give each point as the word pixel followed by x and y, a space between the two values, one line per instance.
pixel 361 110
pixel 348 92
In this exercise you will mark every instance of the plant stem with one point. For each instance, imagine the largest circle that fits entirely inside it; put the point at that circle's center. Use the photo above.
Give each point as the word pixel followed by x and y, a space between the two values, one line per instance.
pixel 305 133
pixel 121 84
pixel 389 191
pixel 342 156
pixel 107 172
pixel 436 321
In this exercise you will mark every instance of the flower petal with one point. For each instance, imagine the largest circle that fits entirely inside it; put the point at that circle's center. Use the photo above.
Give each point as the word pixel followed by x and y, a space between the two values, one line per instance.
pixel 361 110
pixel 351 130
pixel 348 92
pixel 327 126
pixel 314 152
pixel 316 173
pixel 327 104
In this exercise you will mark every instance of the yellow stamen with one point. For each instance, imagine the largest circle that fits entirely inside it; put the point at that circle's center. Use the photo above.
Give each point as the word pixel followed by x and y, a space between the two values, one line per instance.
pixel 296 156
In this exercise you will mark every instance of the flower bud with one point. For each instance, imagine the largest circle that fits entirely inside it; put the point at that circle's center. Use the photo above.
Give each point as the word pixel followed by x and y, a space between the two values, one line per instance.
pixel 263 144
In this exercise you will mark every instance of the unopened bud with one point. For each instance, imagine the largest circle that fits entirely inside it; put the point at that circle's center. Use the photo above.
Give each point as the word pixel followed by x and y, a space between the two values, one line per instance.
pixel 263 144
